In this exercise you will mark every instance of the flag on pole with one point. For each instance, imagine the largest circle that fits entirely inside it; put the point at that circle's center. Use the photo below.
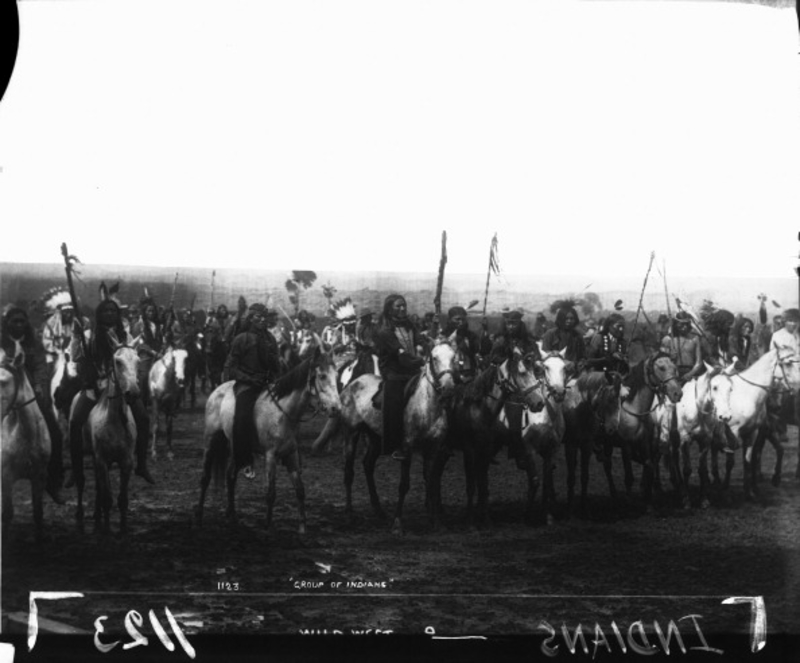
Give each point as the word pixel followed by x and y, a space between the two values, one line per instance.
pixel 494 257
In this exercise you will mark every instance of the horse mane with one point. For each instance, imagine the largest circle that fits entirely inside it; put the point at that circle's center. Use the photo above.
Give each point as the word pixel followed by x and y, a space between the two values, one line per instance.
pixel 637 378
pixel 481 386
pixel 297 377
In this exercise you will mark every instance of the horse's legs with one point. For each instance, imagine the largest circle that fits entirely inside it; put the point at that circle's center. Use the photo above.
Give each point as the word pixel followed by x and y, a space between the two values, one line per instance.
pixel 533 485
pixel 370 459
pixel 778 447
pixel 296 475
pixel 8 503
pixel 102 505
pixel 469 477
pixel 271 467
pixel 350 448
pixel 230 484
pixel 586 453
pixel 37 497
pixel 122 500
pixel 170 418
pixel 205 479
pixel 571 458
pixel 612 489
pixel 434 487
pixel 402 491
pixel 154 429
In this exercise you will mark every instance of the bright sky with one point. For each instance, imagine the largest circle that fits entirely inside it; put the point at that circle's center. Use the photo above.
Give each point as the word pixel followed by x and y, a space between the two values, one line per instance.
pixel 347 135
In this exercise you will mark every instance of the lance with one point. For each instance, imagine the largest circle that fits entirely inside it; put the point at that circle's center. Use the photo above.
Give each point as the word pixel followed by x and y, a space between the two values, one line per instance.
pixel 69 262
pixel 493 266
pixel 213 275
pixel 171 316
pixel 437 300
pixel 641 296
pixel 666 289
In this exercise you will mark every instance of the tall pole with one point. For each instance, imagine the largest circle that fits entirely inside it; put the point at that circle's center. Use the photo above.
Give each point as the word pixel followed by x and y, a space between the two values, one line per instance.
pixel 437 300
pixel 492 267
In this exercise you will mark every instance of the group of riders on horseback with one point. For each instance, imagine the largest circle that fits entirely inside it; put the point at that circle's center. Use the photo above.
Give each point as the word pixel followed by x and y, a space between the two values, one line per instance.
pixel 257 350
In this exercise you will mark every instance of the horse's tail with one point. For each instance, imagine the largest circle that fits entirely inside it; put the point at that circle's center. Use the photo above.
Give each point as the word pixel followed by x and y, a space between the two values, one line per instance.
pixel 217 457
pixel 326 434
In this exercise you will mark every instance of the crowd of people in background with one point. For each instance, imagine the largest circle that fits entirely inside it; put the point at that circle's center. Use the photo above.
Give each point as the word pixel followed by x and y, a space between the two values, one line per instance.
pixel 255 344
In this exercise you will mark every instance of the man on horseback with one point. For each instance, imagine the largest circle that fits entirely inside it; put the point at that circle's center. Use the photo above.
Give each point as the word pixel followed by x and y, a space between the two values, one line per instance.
pixel 467 342
pixel 17 331
pixel 57 330
pixel 253 363
pixel 683 348
pixel 396 343
pixel 96 367
pixel 514 342
pixel 607 350
pixel 565 335
pixel 149 342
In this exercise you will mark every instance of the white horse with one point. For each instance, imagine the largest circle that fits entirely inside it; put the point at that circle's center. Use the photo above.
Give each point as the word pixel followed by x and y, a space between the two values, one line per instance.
pixel 110 433
pixel 25 439
pixel 167 381
pixel 543 431
pixel 740 403
pixel 277 415
pixel 424 427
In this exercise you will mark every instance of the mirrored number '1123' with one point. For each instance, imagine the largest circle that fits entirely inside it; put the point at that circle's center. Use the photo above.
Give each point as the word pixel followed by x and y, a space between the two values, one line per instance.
pixel 133 622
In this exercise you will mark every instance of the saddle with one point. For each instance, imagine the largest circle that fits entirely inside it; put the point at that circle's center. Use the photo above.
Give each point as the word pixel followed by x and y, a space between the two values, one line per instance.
pixel 411 385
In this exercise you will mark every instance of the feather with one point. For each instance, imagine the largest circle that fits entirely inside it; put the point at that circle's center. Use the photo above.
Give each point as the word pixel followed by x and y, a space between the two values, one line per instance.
pixel 618 305
pixel 103 291
pixel 775 304
pixel 474 302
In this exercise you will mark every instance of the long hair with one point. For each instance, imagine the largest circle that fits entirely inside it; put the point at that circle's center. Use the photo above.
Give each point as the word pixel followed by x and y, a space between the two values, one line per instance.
pixel 561 316
pixel 101 341
pixel 385 321
pixel 28 335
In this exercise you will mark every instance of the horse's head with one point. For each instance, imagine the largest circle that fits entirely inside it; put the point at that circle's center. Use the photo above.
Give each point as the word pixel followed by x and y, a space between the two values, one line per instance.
pixel 442 364
pixel 718 399
pixel 552 370
pixel 306 343
pixel 179 359
pixel 787 372
pixel 126 365
pixel 518 379
pixel 9 379
pixel 662 375
pixel 323 381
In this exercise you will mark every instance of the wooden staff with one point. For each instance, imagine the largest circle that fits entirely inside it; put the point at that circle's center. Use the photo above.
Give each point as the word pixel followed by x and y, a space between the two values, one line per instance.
pixel 213 275
pixel 437 300
pixel 641 296
pixel 69 264
pixel 493 267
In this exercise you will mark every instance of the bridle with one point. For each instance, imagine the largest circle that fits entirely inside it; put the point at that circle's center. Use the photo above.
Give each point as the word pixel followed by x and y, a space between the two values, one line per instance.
pixel 16 374
pixel 510 387
pixel 434 378
pixel 551 390
pixel 657 385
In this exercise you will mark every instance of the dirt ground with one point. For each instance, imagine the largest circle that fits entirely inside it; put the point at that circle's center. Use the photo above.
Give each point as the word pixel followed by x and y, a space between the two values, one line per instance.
pixel 611 567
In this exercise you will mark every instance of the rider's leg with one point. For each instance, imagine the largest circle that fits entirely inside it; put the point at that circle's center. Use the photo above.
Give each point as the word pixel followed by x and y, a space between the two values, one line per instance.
pixel 142 420
pixel 80 413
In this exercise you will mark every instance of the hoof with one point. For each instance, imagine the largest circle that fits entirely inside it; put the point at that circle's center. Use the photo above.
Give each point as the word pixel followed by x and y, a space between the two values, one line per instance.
pixel 776 480
pixel 397 528
pixel 302 528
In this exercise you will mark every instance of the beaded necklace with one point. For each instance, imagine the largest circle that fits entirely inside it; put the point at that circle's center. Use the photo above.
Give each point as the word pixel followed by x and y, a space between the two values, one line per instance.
pixel 406 339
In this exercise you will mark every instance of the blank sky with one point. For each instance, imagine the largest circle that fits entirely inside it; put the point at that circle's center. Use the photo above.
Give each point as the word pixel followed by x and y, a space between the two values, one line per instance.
pixel 348 135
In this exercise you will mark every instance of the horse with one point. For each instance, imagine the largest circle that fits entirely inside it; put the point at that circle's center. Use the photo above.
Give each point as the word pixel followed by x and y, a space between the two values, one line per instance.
pixel 475 425
pixel 694 421
pixel 424 427
pixel 740 403
pixel 277 415
pixel 543 431
pixel 194 365
pixel 110 433
pixel 26 444
pixel 362 364
pixel 215 353
pixel 621 417
pixel 167 380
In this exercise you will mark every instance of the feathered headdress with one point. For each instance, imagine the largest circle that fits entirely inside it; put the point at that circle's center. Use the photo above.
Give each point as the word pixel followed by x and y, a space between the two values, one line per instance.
pixel 56 299
pixel 344 310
